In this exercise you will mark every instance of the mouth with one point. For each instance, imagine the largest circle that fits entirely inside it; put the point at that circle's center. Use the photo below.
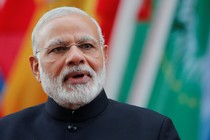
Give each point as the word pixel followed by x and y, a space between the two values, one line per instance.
pixel 77 77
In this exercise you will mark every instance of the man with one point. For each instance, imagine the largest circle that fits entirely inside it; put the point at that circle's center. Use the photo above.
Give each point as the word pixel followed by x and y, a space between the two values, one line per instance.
pixel 69 61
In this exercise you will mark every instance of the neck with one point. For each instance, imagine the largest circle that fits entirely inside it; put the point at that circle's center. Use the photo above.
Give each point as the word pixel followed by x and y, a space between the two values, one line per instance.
pixel 72 106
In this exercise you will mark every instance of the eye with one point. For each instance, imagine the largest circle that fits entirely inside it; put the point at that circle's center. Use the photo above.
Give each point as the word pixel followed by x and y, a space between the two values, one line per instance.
pixel 61 49
pixel 86 46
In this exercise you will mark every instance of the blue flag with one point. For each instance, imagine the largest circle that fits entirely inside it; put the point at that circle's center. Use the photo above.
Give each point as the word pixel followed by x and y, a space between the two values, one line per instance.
pixel 1 83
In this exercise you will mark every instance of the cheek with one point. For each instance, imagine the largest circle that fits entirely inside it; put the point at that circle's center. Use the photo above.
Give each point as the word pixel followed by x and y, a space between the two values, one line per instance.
pixel 96 62
pixel 53 67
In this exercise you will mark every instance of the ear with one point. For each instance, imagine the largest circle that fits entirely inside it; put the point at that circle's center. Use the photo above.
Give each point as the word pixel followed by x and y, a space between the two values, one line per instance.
pixel 34 64
pixel 105 49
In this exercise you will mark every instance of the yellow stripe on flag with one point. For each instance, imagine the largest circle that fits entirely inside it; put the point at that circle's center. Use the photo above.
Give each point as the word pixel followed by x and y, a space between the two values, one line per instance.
pixel 22 90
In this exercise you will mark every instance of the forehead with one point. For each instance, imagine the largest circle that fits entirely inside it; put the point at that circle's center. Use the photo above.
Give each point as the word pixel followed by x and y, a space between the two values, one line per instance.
pixel 69 28
pixel 67 41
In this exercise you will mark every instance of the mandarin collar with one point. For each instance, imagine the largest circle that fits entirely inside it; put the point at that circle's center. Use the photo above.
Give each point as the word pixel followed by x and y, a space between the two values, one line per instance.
pixel 85 112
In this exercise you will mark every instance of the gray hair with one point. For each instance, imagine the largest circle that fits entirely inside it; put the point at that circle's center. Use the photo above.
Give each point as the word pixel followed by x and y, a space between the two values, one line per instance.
pixel 58 12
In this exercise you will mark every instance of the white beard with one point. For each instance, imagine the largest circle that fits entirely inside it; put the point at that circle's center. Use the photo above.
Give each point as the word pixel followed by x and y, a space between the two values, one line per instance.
pixel 79 94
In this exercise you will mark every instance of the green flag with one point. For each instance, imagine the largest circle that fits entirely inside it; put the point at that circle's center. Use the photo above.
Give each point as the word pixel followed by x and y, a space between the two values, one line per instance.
pixel 178 86
pixel 142 27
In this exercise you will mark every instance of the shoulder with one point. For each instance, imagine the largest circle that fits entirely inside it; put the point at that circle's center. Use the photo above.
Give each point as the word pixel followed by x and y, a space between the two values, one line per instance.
pixel 23 121
pixel 22 116
pixel 132 109
pixel 135 114
pixel 142 120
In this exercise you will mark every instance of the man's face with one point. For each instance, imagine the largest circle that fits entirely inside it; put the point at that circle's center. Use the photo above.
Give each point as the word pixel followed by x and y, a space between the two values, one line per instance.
pixel 71 65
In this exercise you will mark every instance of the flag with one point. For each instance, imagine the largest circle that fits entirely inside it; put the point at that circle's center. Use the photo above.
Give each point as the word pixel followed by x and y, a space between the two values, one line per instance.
pixel 204 40
pixel 1 83
pixel 127 41
pixel 11 37
pixel 205 111
pixel 141 27
pixel 167 73
pixel 178 87
pixel 1 88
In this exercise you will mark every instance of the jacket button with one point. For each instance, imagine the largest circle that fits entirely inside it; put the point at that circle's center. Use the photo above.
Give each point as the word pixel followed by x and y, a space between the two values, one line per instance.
pixel 72 128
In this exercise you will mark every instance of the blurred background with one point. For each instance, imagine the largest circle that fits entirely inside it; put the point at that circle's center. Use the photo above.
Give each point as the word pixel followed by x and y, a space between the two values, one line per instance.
pixel 159 56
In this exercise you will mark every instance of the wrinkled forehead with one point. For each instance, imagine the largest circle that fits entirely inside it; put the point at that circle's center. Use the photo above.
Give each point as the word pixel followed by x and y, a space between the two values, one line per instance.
pixel 68 41
pixel 73 19
pixel 69 27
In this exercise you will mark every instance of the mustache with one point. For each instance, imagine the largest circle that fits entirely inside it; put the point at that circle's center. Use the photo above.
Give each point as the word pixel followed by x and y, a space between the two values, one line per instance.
pixel 78 68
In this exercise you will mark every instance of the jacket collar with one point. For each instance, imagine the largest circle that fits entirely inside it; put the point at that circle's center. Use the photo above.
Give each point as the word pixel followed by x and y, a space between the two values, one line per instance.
pixel 85 112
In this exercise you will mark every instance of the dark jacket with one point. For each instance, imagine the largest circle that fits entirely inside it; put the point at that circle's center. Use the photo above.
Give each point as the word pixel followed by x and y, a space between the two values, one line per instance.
pixel 102 119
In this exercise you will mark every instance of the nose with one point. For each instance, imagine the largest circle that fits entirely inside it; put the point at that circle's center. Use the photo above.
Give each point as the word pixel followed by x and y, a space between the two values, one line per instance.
pixel 75 56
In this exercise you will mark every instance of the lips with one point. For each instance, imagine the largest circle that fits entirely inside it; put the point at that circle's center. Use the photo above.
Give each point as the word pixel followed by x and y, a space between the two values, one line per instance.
pixel 77 77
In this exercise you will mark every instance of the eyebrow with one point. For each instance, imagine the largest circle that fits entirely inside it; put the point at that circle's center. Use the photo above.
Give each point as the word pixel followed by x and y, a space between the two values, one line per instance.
pixel 56 42
pixel 60 41
pixel 87 38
